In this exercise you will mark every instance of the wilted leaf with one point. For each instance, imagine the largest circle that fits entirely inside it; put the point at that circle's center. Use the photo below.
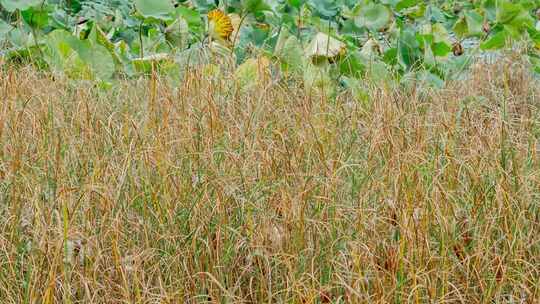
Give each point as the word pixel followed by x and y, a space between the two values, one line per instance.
pixel 370 48
pixel 325 46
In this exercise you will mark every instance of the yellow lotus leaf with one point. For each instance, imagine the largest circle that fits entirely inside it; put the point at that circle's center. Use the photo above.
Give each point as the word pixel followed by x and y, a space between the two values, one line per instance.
pixel 219 25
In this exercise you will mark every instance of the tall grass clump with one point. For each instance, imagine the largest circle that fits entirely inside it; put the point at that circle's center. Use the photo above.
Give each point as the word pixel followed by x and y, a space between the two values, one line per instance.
pixel 204 193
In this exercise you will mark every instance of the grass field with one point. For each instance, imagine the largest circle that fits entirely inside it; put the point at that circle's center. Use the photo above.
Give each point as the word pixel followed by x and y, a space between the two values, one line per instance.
pixel 146 193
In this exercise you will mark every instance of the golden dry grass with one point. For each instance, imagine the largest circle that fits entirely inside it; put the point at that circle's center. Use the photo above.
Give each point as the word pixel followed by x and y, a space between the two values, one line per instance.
pixel 149 194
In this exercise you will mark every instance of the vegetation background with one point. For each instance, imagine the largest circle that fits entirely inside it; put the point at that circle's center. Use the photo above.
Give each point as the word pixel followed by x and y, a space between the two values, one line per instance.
pixel 226 170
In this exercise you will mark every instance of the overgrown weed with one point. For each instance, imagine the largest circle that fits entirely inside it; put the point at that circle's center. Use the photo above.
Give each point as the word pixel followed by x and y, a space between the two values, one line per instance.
pixel 152 194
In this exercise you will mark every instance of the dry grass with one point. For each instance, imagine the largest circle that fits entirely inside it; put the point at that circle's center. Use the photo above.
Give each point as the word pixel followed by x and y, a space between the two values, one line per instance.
pixel 148 194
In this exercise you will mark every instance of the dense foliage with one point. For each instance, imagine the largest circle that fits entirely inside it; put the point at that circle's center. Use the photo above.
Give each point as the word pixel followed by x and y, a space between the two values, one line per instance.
pixel 319 40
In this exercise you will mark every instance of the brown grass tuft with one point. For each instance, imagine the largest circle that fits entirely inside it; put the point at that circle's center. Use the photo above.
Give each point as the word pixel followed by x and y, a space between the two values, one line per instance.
pixel 148 193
